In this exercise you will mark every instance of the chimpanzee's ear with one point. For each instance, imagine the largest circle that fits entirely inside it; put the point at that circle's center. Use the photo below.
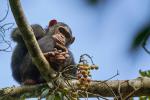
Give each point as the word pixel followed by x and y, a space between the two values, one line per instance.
pixel 72 40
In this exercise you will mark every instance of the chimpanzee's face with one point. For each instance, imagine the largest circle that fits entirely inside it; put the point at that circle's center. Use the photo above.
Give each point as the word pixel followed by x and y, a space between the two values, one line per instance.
pixel 63 35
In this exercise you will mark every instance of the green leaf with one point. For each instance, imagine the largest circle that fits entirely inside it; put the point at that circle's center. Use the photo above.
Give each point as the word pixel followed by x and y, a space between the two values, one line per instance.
pixel 145 73
pixel 51 97
pixel 45 92
pixel 139 38
pixel 59 96
pixel 143 98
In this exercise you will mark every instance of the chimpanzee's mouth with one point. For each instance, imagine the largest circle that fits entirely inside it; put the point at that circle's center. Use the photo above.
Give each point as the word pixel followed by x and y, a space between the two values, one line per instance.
pixel 59 42
pixel 59 39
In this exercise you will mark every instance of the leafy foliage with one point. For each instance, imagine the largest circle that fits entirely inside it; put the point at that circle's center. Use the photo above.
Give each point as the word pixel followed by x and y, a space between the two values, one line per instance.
pixel 144 74
pixel 56 96
pixel 141 38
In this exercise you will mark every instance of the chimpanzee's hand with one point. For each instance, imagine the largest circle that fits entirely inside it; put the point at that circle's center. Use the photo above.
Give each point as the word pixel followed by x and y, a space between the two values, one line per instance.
pixel 57 56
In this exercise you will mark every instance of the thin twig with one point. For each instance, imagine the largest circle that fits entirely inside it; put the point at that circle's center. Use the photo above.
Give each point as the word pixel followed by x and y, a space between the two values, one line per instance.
pixel 111 90
pixel 81 57
pixel 111 77
pixel 129 95
pixel 97 95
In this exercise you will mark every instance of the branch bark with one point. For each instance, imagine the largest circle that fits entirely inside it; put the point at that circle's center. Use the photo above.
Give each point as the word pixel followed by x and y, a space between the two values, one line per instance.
pixel 32 91
pixel 28 36
pixel 136 87
pixel 139 87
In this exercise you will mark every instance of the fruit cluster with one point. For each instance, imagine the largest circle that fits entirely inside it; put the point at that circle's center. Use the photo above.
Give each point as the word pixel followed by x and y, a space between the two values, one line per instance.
pixel 84 76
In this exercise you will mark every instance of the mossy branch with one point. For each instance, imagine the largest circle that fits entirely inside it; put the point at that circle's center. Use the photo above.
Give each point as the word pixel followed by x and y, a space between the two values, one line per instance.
pixel 136 87
pixel 28 36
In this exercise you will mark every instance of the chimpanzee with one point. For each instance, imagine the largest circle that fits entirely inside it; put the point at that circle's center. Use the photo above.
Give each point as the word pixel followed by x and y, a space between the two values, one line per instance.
pixel 54 42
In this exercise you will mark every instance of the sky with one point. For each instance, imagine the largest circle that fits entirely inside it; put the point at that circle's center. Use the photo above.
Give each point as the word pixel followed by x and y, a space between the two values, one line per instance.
pixel 104 31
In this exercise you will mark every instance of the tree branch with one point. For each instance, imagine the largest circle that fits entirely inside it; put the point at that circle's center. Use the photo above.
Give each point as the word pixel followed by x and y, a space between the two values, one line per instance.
pixel 140 86
pixel 32 91
pixel 137 87
pixel 28 36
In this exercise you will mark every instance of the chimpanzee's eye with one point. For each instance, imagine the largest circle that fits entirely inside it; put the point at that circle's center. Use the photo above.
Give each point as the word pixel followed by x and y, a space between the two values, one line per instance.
pixel 64 32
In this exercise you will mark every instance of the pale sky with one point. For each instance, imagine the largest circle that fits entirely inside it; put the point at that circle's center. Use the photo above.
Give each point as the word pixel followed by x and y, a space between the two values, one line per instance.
pixel 104 31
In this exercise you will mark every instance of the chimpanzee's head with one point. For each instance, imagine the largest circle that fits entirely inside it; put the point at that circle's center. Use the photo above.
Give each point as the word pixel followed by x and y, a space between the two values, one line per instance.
pixel 61 33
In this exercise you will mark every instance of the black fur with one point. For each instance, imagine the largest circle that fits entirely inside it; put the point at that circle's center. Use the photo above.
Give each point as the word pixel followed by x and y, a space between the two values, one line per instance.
pixel 22 65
